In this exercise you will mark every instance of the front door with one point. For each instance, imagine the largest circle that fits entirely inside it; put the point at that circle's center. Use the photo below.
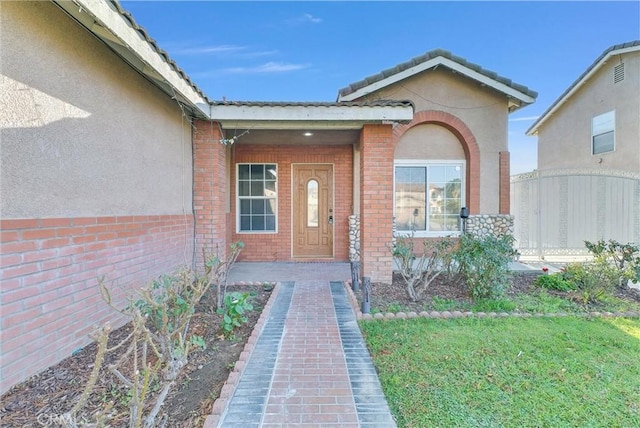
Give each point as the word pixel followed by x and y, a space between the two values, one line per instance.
pixel 312 210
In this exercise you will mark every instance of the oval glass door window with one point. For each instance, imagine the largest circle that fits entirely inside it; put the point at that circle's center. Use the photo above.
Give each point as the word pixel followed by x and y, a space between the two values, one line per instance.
pixel 312 203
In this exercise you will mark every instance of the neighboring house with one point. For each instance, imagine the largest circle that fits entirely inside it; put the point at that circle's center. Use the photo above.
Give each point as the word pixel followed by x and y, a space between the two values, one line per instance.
pixel 114 164
pixel 587 186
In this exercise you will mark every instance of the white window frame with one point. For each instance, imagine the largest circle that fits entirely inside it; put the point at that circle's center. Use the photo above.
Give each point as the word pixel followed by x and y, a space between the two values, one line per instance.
pixel 600 125
pixel 426 163
pixel 240 198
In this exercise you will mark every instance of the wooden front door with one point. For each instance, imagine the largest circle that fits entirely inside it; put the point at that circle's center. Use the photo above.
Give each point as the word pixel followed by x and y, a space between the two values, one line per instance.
pixel 313 210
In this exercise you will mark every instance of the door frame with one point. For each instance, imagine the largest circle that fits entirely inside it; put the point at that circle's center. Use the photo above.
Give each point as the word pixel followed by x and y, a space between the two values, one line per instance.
pixel 293 205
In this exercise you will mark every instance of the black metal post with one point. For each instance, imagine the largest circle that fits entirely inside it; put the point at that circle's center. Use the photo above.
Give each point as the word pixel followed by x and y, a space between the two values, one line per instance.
pixel 366 295
pixel 355 276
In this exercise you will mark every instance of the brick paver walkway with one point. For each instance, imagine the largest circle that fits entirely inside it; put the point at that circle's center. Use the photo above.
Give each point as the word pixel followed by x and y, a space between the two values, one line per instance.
pixel 310 366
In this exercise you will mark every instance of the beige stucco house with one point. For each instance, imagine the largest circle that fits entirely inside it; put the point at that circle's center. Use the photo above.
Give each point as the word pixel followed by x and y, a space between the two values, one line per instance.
pixel 587 185
pixel 115 165
pixel 595 123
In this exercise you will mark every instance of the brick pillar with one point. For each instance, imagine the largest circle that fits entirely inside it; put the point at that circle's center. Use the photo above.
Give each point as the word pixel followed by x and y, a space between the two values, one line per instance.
pixel 376 202
pixel 209 191
pixel 505 183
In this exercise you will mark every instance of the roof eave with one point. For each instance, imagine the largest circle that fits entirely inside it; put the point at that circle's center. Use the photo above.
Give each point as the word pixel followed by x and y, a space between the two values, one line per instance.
pixel 318 117
pixel 522 97
pixel 110 26
pixel 575 86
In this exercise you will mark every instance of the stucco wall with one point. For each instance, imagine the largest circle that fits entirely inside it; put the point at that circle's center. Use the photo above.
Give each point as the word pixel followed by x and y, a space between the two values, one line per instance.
pixel 564 140
pixel 484 111
pixel 95 183
pixel 82 133
pixel 429 142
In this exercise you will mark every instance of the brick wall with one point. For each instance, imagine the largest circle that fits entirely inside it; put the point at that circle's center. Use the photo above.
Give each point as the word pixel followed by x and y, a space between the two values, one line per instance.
pixel 50 299
pixel 209 190
pixel 376 202
pixel 277 246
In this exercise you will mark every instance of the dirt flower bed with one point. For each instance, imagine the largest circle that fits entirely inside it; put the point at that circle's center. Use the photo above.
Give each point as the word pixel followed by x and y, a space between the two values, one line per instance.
pixel 40 400
pixel 451 294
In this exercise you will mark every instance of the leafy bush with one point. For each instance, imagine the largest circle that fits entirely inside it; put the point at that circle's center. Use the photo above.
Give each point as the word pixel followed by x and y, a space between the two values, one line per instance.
pixel 419 271
pixel 593 280
pixel 236 306
pixel 624 257
pixel 170 300
pixel 484 264
pixel 555 281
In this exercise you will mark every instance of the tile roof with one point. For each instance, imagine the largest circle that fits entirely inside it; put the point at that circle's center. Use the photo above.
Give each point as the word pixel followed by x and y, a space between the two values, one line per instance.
pixel 595 65
pixel 426 57
pixel 155 47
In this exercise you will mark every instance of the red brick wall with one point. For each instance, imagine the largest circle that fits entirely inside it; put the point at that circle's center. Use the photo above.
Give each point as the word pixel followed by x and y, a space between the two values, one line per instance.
pixel 376 202
pixel 277 246
pixel 209 190
pixel 50 299
pixel 505 183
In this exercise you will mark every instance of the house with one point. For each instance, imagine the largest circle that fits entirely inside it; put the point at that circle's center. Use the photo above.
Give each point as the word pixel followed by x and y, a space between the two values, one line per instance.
pixel 596 119
pixel 454 153
pixel 116 166
pixel 96 173
pixel 587 185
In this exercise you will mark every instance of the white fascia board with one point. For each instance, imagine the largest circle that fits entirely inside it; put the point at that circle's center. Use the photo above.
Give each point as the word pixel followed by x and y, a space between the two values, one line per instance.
pixel 499 86
pixel 111 19
pixel 533 130
pixel 291 125
pixel 293 114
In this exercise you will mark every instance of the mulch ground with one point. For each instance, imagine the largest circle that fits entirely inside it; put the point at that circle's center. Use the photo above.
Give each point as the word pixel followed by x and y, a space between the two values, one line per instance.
pixel 40 400
pixel 454 290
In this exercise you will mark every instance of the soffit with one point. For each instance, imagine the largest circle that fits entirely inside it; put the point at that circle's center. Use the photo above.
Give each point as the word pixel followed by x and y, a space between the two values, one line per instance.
pixel 119 31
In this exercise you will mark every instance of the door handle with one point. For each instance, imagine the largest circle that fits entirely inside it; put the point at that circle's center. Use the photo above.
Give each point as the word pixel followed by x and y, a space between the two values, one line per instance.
pixel 330 219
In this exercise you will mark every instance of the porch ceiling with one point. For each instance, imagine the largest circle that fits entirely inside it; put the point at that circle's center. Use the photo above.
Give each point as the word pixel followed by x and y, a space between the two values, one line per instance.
pixel 294 136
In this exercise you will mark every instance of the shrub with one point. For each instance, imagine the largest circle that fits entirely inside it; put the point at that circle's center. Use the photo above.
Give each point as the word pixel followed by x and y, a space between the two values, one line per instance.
pixel 218 269
pixel 554 281
pixel 148 361
pixel 594 280
pixel 484 264
pixel 419 271
pixel 624 257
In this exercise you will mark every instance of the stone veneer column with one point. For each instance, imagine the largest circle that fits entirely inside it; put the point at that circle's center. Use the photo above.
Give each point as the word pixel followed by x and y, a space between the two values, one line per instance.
pixel 209 191
pixel 376 202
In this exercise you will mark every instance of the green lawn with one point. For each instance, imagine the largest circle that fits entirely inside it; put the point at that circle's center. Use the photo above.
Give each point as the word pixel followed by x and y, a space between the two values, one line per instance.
pixel 509 372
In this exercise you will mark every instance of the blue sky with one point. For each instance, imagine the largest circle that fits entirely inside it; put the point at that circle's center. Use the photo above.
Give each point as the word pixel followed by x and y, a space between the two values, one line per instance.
pixel 307 51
